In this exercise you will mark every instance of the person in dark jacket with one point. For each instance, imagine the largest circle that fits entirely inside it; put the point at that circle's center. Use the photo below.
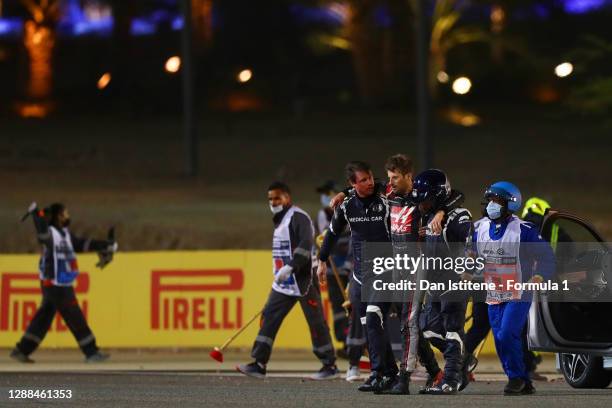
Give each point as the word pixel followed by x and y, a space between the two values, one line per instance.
pixel 343 264
pixel 367 214
pixel 58 269
pixel 406 221
pixel 294 282
pixel 443 318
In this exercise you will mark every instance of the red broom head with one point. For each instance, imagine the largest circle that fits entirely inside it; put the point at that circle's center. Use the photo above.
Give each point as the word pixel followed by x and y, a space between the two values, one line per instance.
pixel 364 365
pixel 217 354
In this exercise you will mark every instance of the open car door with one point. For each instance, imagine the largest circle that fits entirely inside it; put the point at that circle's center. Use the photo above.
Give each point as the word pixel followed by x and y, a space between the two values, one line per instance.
pixel 576 322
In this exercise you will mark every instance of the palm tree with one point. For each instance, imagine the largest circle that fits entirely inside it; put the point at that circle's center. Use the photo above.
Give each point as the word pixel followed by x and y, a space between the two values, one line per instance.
pixel 446 34
pixel 202 20
pixel 377 51
pixel 373 49
pixel 591 88
pixel 39 41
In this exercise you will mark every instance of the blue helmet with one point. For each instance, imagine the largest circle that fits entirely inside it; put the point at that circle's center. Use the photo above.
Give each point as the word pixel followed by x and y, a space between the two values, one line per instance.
pixel 431 185
pixel 507 192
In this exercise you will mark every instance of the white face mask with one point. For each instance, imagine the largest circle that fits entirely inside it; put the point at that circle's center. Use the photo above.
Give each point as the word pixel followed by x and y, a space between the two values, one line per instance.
pixel 276 208
pixel 494 210
pixel 325 200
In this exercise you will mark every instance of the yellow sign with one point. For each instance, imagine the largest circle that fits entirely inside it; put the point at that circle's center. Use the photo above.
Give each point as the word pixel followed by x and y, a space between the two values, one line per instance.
pixel 156 299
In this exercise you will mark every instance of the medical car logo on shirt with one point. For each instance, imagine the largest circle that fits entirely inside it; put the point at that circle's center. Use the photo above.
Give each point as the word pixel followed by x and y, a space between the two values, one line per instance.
pixel 366 219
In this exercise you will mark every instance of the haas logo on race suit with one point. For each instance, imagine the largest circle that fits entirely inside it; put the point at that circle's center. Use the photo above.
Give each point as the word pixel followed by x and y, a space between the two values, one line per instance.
pixel 401 220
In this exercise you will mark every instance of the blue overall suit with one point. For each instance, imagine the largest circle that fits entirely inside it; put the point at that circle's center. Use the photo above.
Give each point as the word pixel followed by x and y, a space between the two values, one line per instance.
pixel 509 316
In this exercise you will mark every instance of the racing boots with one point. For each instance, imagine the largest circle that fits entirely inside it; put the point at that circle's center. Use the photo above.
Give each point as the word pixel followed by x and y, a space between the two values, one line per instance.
pixel 385 385
pixel 400 386
pixel 444 388
pixel 370 383
pixel 432 381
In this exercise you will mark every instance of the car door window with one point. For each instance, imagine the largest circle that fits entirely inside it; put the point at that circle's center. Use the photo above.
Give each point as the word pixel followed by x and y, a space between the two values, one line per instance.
pixel 581 313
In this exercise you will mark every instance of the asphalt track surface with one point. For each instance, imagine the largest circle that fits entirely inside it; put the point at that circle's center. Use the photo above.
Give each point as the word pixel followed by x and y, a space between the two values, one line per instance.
pixel 206 389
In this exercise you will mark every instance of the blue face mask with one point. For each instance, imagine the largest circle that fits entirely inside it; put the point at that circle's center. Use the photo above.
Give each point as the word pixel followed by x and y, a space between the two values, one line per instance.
pixel 494 210
pixel 325 200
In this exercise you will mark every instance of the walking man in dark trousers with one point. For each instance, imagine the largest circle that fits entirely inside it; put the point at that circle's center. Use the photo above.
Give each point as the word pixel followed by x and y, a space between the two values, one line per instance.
pixel 294 282
pixel 58 269
pixel 367 214
pixel 443 317
pixel 342 259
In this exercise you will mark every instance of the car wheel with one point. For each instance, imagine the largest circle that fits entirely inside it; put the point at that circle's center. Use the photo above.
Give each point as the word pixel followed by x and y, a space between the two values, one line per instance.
pixel 584 371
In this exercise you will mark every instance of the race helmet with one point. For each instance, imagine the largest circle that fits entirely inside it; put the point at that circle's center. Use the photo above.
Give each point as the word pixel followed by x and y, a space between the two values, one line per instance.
pixel 535 205
pixel 431 185
pixel 507 192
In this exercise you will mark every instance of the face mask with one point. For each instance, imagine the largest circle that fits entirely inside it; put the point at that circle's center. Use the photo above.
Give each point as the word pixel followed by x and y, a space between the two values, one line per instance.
pixel 325 200
pixel 494 210
pixel 276 208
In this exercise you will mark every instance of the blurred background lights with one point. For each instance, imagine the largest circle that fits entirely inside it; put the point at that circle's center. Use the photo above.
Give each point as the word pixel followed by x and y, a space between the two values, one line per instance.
pixel 104 80
pixel 173 64
pixel 462 85
pixel 564 69
pixel 245 75
pixel 442 77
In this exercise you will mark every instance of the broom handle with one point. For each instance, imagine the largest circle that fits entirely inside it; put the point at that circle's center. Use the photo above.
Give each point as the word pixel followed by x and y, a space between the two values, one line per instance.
pixel 481 345
pixel 228 341
pixel 319 242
